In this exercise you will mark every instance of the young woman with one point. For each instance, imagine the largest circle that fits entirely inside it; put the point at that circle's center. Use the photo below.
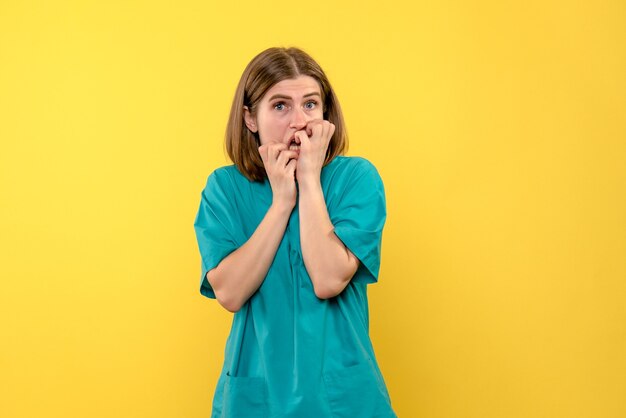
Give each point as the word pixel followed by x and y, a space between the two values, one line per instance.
pixel 290 237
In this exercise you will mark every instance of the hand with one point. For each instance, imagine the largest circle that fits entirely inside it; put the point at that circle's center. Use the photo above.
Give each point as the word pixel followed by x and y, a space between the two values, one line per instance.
pixel 314 140
pixel 280 166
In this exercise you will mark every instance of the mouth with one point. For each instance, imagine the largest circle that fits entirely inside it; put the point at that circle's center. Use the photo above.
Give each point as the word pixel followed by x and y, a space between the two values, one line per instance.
pixel 293 145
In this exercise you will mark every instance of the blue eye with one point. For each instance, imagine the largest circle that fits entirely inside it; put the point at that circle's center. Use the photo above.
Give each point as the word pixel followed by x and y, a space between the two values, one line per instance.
pixel 279 106
pixel 310 105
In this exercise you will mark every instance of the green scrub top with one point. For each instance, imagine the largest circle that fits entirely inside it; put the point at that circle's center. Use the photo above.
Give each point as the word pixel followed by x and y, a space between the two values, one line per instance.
pixel 289 353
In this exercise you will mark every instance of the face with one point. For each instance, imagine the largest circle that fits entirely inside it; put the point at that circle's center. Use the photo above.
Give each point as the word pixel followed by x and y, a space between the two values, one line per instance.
pixel 286 108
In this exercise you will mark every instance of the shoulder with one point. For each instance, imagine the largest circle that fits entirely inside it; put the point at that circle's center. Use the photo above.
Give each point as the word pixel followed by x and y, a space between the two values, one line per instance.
pixel 351 166
pixel 225 176
pixel 346 179
pixel 225 172
pixel 223 181
pixel 352 169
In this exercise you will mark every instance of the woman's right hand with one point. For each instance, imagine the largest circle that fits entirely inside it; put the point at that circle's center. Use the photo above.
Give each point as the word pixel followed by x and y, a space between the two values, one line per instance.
pixel 280 166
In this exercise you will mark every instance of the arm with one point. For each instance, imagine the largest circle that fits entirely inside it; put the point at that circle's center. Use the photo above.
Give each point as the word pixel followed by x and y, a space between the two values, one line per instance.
pixel 327 260
pixel 240 274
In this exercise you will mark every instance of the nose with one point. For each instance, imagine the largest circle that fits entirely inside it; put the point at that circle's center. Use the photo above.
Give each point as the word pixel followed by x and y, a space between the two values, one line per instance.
pixel 298 119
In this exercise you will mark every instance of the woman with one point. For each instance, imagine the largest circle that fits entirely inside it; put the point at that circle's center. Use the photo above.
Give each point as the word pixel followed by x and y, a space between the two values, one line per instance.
pixel 290 236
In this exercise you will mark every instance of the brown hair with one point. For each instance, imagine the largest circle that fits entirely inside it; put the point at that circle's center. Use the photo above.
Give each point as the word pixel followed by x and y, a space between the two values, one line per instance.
pixel 266 69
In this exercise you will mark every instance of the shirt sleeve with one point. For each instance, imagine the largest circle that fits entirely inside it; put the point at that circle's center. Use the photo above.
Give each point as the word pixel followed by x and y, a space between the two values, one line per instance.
pixel 214 226
pixel 359 216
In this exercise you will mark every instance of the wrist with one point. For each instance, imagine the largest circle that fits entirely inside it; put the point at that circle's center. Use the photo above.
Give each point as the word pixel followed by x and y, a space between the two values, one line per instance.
pixel 308 183
pixel 282 208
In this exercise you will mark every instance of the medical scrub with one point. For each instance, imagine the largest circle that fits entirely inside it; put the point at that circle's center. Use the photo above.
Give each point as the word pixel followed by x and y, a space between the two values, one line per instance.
pixel 289 353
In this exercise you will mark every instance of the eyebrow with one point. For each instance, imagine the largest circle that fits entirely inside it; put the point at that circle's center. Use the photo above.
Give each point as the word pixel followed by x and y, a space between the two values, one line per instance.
pixel 282 96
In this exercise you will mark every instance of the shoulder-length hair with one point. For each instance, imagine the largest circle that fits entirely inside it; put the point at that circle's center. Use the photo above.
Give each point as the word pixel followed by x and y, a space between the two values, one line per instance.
pixel 264 71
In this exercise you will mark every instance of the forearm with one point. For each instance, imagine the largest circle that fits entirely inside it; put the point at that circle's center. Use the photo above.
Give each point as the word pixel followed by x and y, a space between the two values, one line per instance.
pixel 241 273
pixel 329 263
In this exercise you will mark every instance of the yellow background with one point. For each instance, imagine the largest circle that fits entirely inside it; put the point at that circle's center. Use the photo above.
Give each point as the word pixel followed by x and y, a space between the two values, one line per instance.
pixel 498 128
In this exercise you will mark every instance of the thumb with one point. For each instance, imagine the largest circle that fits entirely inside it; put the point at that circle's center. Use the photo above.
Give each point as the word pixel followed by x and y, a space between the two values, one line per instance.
pixel 263 153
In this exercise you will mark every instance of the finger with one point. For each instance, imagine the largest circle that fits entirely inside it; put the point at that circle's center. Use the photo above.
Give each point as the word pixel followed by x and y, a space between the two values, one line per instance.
pixel 332 130
pixel 318 131
pixel 277 145
pixel 329 132
pixel 285 156
pixel 274 150
pixel 326 130
pixel 291 167
pixel 302 136
pixel 263 153
pixel 311 125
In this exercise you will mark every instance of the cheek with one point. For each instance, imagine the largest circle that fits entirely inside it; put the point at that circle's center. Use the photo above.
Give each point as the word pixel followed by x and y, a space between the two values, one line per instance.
pixel 272 129
pixel 318 113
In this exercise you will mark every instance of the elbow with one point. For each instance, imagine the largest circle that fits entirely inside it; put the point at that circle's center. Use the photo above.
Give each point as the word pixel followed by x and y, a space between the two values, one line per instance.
pixel 328 285
pixel 325 293
pixel 226 299
pixel 228 302
pixel 230 307
pixel 329 288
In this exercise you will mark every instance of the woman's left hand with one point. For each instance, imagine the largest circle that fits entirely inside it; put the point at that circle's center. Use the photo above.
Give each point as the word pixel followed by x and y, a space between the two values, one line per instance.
pixel 314 140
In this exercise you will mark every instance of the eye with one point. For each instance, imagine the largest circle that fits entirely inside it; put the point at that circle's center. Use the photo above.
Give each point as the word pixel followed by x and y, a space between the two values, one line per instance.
pixel 311 104
pixel 279 106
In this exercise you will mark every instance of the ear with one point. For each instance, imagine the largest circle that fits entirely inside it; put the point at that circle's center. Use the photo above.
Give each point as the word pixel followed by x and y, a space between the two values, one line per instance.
pixel 250 120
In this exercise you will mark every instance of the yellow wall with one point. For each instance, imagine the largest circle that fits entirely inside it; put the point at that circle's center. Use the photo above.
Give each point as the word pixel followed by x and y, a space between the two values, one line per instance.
pixel 499 130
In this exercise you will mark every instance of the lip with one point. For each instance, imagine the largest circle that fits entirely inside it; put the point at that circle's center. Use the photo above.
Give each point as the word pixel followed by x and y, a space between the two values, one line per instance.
pixel 293 140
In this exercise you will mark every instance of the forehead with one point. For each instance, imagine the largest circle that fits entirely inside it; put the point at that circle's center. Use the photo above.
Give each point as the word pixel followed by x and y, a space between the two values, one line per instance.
pixel 294 87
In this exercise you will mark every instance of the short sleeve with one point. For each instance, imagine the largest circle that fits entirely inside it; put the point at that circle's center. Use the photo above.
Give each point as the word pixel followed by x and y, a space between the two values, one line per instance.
pixel 359 216
pixel 213 226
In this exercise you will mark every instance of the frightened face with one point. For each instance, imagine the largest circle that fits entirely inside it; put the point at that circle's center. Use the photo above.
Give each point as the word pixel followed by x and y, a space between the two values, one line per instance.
pixel 286 108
